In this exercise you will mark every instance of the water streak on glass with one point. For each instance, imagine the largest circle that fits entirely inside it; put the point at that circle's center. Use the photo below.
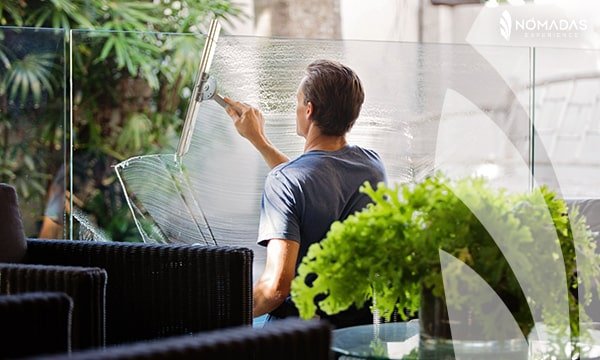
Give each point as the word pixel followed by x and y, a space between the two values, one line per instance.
pixel 88 229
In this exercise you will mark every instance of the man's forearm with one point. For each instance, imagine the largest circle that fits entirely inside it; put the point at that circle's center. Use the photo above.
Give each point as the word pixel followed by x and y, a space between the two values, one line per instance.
pixel 270 153
pixel 250 123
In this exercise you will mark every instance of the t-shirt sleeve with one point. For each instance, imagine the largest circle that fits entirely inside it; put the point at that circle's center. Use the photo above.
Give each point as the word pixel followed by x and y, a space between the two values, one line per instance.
pixel 279 214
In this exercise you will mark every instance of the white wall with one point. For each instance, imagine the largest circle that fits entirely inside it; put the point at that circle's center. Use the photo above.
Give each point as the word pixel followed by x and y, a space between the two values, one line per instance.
pixel 387 20
pixel 383 20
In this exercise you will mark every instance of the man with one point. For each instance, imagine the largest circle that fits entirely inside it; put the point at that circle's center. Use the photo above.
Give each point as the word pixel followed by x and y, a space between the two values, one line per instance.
pixel 304 196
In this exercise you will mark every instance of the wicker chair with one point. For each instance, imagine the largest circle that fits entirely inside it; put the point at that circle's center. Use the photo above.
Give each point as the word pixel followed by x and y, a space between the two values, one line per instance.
pixel 86 286
pixel 151 291
pixel 290 339
pixel 123 292
pixel 36 323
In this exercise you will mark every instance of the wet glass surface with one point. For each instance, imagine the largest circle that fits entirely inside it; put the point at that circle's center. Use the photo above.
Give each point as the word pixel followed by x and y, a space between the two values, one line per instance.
pixel 215 190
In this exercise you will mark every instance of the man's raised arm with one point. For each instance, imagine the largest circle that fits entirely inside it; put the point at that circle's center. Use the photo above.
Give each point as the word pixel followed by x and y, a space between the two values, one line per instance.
pixel 250 123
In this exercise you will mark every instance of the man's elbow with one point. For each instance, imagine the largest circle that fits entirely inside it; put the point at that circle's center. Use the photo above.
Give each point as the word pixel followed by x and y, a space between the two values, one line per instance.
pixel 277 293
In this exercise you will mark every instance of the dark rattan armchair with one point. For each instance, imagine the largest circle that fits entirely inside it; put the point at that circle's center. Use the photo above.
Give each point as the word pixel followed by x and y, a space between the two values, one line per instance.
pixel 126 292
pixel 290 339
pixel 152 291
pixel 86 286
pixel 36 323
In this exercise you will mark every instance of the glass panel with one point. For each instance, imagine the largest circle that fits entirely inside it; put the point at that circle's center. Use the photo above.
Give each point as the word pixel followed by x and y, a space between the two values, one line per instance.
pixel 32 125
pixel 567 143
pixel 128 99
pixel 215 190
pixel 406 87
pixel 567 119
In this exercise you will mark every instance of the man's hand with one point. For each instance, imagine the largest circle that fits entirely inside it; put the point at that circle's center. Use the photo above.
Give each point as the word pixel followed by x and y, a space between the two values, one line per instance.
pixel 249 123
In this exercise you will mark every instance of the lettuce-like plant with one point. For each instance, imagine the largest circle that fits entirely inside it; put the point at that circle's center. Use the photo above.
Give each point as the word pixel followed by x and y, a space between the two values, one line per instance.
pixel 391 248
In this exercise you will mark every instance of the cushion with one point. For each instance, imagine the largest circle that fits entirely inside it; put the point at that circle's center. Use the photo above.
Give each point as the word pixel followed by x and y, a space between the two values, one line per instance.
pixel 12 238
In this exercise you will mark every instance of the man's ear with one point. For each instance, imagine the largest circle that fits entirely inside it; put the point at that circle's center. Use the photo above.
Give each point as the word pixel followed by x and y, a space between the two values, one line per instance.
pixel 309 110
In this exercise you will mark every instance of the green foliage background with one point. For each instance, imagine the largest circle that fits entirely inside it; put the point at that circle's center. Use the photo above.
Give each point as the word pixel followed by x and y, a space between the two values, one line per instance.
pixel 129 86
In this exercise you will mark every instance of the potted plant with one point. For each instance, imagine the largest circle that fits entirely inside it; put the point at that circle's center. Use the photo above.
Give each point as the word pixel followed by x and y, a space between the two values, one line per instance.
pixel 392 251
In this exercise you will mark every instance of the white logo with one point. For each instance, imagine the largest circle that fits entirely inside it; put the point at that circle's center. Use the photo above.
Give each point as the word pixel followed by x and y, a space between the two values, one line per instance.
pixel 505 25
pixel 535 27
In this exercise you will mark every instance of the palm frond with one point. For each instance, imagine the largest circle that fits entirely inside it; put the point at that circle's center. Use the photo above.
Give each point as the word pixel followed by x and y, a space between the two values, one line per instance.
pixel 135 134
pixel 182 50
pixel 132 50
pixel 11 13
pixel 5 56
pixel 131 16
pixel 60 14
pixel 30 76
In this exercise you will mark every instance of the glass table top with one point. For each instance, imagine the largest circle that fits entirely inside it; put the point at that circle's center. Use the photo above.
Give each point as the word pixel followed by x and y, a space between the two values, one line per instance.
pixel 401 341
pixel 383 341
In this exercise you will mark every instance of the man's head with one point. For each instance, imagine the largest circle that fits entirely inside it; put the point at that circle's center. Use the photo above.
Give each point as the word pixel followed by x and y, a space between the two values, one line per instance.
pixel 333 95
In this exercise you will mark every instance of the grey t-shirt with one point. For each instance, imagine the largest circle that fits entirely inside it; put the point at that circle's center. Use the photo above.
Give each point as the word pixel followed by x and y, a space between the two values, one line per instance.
pixel 303 197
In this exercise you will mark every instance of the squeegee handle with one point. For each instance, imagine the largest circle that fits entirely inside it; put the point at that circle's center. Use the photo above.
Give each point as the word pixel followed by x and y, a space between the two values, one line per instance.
pixel 220 100
pixel 201 77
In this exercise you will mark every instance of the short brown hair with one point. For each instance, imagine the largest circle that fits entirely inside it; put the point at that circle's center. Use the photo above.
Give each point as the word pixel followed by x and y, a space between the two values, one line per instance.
pixel 336 94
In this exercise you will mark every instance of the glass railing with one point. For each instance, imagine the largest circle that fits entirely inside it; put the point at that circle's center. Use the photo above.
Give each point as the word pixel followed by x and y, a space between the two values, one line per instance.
pixel 428 107
pixel 567 119
pixel 458 109
pixel 33 131
pixel 127 102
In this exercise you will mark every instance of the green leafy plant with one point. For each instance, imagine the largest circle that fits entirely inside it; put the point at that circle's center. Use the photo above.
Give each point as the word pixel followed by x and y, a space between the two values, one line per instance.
pixel 390 250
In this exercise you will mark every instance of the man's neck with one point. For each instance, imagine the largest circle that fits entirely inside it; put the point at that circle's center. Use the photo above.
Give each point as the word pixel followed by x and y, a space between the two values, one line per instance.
pixel 317 141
